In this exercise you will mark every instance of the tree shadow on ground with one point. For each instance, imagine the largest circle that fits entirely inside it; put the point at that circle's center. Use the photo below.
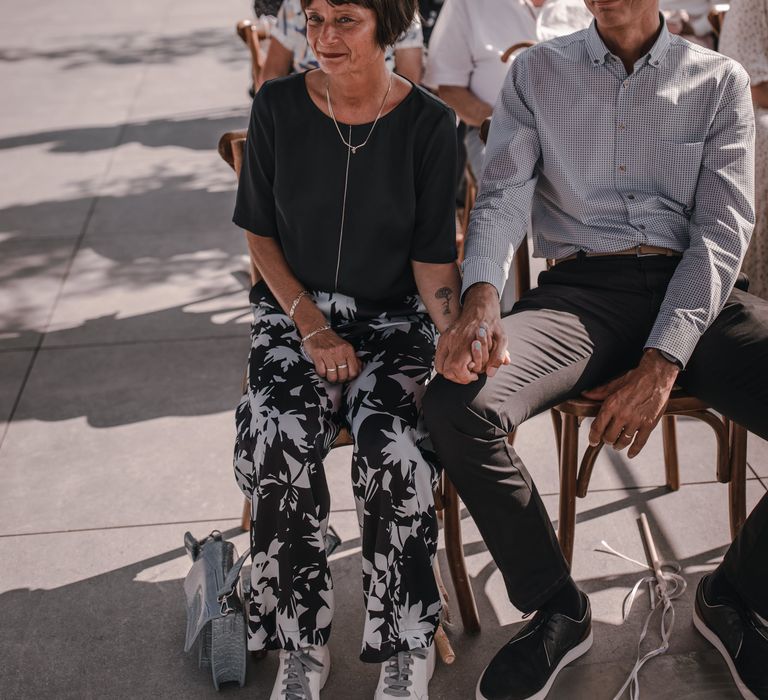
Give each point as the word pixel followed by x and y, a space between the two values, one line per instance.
pixel 199 133
pixel 130 48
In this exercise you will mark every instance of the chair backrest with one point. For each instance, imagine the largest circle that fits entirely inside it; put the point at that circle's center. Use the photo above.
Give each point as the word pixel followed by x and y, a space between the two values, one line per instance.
pixel 716 16
pixel 231 149
pixel 519 46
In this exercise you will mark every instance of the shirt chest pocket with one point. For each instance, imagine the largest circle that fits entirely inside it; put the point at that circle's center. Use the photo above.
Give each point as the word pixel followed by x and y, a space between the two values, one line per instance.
pixel 675 170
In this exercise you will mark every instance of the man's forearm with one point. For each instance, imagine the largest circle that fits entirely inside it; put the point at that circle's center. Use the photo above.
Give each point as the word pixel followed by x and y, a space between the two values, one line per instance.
pixel 470 108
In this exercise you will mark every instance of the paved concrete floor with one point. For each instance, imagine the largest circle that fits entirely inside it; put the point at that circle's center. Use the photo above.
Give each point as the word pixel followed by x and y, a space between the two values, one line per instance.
pixel 123 334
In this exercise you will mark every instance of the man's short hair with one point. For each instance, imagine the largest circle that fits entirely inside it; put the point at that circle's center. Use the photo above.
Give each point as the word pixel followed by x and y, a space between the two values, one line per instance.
pixel 393 17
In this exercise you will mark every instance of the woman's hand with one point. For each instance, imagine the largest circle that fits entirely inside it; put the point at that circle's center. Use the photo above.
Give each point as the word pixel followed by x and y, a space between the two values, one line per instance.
pixel 334 359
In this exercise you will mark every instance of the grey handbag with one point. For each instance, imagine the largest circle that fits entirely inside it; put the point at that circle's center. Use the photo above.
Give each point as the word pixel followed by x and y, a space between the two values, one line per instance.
pixel 215 616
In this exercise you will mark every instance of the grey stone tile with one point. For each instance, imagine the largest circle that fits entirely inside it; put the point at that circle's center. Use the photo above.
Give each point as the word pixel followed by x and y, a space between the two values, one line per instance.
pixel 13 367
pixel 144 287
pixel 124 435
pixel 757 454
pixel 31 273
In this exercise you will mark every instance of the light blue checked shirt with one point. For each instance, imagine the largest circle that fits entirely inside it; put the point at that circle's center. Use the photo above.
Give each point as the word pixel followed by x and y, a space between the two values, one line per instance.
pixel 604 161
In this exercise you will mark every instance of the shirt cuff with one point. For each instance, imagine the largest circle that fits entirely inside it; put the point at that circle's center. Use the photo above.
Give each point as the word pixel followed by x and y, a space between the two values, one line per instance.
pixel 675 339
pixel 476 270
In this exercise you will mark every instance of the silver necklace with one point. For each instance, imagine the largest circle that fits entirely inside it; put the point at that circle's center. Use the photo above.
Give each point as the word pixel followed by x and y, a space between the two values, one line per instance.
pixel 375 121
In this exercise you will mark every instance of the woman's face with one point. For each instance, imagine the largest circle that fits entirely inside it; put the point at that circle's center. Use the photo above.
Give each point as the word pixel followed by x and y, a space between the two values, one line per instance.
pixel 343 37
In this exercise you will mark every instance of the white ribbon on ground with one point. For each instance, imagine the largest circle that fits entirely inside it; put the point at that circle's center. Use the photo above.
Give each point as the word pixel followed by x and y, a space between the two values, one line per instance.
pixel 667 587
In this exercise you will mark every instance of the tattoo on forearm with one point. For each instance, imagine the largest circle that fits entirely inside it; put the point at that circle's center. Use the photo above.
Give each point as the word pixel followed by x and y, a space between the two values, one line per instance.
pixel 445 294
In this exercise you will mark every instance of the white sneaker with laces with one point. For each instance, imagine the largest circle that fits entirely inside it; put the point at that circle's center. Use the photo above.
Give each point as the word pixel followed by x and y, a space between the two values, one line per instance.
pixel 302 674
pixel 407 675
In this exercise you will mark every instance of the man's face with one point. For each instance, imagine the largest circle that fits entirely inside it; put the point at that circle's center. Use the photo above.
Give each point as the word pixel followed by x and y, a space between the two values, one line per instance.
pixel 621 13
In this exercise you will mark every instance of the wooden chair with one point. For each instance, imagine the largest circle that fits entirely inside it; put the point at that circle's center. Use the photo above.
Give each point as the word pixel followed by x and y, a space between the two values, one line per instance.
pixel 231 146
pixel 574 481
pixel 731 451
pixel 252 35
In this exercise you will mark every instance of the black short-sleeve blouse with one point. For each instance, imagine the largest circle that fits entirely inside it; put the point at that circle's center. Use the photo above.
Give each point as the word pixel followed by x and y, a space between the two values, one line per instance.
pixel 400 190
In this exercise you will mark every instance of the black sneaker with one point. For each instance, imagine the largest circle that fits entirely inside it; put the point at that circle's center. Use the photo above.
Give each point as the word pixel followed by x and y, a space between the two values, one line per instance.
pixel 526 667
pixel 741 640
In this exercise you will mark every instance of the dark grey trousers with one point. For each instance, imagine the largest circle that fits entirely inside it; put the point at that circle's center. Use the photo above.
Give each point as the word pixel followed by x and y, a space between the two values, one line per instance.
pixel 585 323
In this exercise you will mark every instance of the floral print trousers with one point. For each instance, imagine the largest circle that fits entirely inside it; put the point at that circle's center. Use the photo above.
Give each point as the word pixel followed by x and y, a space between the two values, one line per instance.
pixel 287 421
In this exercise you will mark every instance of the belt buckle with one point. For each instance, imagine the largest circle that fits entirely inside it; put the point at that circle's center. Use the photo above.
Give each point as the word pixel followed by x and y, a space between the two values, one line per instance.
pixel 638 254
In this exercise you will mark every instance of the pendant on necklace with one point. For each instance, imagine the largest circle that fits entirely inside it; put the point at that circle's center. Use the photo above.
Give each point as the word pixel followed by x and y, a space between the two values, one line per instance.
pixel 354 149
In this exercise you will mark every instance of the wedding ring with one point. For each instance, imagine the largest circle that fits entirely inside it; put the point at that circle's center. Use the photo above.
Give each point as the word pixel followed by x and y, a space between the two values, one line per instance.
pixel 331 369
pixel 341 366
pixel 629 436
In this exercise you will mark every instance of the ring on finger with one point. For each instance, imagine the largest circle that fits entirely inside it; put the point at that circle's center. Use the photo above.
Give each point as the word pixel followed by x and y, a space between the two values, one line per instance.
pixel 341 366
pixel 331 369
pixel 629 436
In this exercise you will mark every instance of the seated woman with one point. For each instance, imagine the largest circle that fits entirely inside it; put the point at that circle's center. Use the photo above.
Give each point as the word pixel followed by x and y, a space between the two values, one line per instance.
pixel 346 194
pixel 289 50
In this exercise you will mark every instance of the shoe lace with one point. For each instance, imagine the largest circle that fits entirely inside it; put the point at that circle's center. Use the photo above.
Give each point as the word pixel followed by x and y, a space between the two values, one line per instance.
pixel 397 672
pixel 295 679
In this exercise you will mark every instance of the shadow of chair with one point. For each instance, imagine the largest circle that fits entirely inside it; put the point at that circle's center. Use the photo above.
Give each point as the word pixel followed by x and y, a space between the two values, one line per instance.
pixel 231 147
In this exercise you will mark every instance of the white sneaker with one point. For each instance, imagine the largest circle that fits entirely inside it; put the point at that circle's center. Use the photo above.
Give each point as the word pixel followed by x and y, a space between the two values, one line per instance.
pixel 407 675
pixel 301 675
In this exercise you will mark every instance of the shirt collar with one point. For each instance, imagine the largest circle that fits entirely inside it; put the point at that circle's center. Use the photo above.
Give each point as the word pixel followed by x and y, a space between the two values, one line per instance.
pixel 597 50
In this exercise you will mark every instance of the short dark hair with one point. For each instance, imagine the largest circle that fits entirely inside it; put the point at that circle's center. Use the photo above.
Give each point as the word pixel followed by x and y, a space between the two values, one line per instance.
pixel 393 17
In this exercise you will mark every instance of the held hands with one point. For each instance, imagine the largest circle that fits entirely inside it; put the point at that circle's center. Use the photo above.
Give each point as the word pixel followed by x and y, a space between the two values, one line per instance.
pixel 633 403
pixel 476 342
pixel 334 359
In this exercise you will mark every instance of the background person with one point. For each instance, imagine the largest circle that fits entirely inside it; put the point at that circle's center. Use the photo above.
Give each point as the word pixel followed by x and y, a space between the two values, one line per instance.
pixel 346 195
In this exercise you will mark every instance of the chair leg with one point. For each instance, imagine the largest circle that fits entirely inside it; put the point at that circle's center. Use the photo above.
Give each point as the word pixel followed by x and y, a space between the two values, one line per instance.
pixel 671 465
pixel 557 424
pixel 455 554
pixel 245 522
pixel 737 485
pixel 569 459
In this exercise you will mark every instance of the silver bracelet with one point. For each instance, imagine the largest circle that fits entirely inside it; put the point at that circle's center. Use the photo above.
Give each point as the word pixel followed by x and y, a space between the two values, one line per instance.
pixel 312 334
pixel 292 311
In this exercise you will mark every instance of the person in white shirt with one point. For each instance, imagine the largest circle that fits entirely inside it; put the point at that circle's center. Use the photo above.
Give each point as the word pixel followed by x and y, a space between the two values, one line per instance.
pixel 469 37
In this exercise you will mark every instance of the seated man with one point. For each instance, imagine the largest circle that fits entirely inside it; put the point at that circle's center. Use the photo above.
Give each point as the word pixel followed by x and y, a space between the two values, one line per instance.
pixel 289 52
pixel 633 150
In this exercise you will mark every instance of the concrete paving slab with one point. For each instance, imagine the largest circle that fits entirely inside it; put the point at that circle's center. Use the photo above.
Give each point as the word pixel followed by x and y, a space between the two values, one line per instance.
pixel 757 455
pixel 162 195
pixel 124 435
pixel 102 596
pixel 31 273
pixel 13 368
pixel 149 287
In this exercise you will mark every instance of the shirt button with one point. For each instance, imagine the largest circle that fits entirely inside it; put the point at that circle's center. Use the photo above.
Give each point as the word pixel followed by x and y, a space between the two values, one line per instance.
pixel 622 126
pixel 625 83
pixel 622 168
pixel 630 196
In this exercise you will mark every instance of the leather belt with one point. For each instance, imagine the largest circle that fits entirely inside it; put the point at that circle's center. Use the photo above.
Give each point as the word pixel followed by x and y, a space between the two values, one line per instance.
pixel 638 251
